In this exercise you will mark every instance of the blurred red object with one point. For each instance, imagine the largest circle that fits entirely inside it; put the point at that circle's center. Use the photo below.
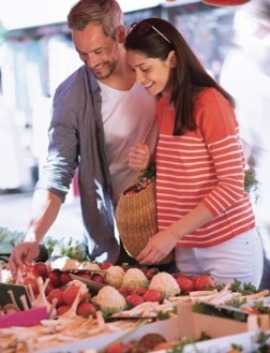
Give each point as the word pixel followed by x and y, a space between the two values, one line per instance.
pixel 225 2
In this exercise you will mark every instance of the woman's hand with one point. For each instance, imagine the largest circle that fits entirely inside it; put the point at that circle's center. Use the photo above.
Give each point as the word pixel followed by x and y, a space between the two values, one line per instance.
pixel 158 246
pixel 164 241
pixel 139 156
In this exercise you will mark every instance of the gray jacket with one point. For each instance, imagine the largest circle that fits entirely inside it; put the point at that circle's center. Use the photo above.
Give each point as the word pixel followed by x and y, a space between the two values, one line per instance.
pixel 76 139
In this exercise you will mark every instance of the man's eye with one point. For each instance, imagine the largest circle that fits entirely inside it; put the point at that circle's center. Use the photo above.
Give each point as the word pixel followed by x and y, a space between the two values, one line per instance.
pixel 82 55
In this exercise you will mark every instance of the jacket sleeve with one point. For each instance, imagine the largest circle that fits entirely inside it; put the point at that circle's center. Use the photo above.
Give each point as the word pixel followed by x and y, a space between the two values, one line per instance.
pixel 62 158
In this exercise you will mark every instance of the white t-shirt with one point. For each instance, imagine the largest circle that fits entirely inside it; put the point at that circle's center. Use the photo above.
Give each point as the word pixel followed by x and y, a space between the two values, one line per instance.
pixel 127 116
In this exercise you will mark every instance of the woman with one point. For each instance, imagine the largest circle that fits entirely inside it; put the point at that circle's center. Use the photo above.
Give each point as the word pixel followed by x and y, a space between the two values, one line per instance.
pixel 203 209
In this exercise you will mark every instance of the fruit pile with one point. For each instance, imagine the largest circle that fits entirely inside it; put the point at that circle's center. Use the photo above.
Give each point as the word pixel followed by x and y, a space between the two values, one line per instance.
pixel 55 289
pixel 147 343
pixel 194 283
pixel 144 179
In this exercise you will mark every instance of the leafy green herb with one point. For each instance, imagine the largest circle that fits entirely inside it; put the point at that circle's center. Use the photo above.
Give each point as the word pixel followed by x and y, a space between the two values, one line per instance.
pixel 203 308
pixel 73 250
pixel 262 341
pixel 236 286
pixel 250 181
pixel 237 347
pixel 55 246
pixel 179 347
pixel 204 337
pixel 146 176
pixel 236 303
pixel 260 306
pixel 163 315
pixel 246 289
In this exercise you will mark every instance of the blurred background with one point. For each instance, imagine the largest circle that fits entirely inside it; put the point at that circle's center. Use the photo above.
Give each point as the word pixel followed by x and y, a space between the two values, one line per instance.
pixel 36 54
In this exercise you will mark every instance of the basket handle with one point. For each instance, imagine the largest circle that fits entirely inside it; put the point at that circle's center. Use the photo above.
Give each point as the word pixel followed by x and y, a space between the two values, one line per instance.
pixel 148 130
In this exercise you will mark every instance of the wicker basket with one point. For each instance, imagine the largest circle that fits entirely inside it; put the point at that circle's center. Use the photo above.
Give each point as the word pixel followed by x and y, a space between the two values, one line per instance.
pixel 136 218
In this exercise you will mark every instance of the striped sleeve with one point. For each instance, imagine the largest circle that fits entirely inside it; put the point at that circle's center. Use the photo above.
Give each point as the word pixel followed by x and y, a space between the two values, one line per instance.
pixel 219 129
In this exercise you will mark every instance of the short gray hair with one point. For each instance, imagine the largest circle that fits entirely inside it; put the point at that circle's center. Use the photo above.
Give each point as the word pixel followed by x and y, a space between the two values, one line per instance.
pixel 101 12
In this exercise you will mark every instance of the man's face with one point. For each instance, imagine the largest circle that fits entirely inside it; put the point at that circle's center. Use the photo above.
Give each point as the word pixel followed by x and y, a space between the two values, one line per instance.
pixel 99 52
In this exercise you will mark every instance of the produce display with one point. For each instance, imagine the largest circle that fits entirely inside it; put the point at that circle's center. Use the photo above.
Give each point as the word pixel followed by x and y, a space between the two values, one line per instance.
pixel 120 288
pixel 100 300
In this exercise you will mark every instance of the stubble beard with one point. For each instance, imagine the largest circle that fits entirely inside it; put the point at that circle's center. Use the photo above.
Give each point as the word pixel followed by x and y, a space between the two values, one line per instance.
pixel 109 66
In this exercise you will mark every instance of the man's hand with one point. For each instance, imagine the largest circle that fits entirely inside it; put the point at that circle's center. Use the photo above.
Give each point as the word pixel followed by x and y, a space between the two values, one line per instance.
pixel 23 253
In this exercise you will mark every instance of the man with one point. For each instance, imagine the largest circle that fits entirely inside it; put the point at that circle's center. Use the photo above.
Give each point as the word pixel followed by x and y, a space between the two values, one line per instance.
pixel 99 112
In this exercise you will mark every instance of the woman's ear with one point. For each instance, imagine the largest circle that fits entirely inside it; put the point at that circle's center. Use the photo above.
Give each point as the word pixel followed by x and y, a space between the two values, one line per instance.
pixel 121 34
pixel 172 59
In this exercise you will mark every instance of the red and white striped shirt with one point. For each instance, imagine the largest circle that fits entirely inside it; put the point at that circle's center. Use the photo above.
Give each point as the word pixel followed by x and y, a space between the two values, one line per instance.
pixel 203 166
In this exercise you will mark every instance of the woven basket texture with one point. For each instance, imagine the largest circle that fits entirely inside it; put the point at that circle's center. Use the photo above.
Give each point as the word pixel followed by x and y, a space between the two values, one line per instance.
pixel 136 219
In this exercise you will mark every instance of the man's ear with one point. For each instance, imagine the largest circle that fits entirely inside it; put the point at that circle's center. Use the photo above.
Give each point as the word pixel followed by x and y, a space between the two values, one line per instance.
pixel 172 59
pixel 121 34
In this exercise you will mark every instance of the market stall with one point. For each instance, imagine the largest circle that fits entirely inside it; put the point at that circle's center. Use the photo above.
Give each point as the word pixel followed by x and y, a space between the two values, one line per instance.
pixel 71 306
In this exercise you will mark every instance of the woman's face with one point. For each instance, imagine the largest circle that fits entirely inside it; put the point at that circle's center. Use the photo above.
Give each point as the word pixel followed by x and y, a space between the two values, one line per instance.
pixel 154 74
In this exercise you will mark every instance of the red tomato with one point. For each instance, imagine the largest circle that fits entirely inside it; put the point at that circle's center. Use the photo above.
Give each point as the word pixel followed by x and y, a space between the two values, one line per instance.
pixel 151 272
pixel 62 309
pixel 204 282
pixel 26 270
pixel 116 348
pixel 39 269
pixel 141 291
pixel 152 295
pixel 70 294
pixel 105 265
pixel 49 288
pixel 32 283
pixel 193 278
pixel 85 275
pixel 58 294
pixel 86 309
pixel 97 278
pixel 185 284
pixel 65 278
pixel 126 291
pixel 134 300
pixel 55 277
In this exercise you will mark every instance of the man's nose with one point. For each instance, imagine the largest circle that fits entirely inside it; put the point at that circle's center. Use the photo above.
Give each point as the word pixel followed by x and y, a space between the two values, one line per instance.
pixel 91 60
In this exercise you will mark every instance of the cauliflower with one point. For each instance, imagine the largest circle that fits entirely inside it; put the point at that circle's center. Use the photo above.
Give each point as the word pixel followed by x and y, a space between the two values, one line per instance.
pixel 135 278
pixel 89 266
pixel 77 283
pixel 165 283
pixel 109 300
pixel 114 276
pixel 65 263
pixel 6 276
